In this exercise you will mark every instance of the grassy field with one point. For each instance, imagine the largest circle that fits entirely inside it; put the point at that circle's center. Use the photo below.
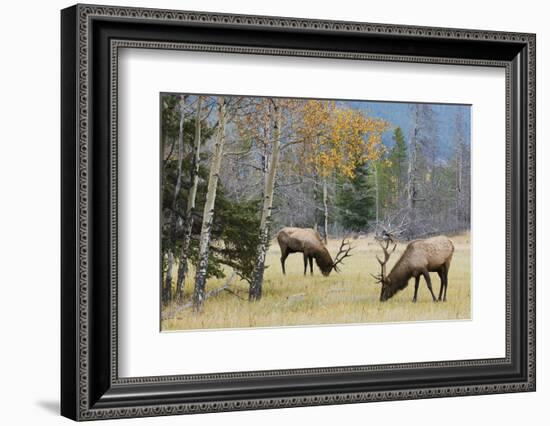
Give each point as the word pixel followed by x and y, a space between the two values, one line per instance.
pixel 350 296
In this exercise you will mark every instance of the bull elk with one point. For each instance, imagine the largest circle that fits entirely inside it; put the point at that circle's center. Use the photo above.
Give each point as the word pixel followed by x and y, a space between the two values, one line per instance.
pixel 419 259
pixel 309 242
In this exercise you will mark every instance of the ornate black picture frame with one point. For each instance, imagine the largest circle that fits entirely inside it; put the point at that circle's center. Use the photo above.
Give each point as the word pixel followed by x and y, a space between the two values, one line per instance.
pixel 91 36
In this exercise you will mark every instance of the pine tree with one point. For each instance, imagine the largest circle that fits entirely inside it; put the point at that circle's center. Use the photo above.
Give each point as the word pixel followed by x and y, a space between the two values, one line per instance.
pixel 389 177
pixel 355 200
pixel 398 159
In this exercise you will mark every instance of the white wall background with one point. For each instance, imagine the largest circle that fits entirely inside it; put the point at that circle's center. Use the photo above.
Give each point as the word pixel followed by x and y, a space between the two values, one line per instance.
pixel 29 217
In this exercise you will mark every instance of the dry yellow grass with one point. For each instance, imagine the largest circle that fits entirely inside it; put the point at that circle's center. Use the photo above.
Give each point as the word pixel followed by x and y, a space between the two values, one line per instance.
pixel 348 297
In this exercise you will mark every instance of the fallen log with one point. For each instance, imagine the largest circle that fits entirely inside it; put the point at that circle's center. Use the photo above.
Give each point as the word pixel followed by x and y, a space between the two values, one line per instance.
pixel 209 294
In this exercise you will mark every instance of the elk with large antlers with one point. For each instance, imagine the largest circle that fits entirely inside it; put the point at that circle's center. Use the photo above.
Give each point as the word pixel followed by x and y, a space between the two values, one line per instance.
pixel 419 259
pixel 309 242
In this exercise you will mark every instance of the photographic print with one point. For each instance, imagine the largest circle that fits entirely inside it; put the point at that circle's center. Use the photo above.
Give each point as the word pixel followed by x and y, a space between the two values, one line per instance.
pixel 292 212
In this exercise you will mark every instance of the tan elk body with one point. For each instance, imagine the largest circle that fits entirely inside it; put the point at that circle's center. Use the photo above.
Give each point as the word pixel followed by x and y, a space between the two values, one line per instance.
pixel 419 259
pixel 309 242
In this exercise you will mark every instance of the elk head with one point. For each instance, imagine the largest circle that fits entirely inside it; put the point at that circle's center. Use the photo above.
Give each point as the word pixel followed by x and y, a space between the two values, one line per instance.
pixel 385 241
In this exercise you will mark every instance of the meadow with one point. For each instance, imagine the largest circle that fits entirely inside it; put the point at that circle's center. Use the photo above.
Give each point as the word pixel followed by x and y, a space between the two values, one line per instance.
pixel 351 296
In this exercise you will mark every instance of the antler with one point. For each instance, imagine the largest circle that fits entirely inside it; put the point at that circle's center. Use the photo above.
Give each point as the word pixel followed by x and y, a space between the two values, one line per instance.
pixel 343 252
pixel 377 278
pixel 387 240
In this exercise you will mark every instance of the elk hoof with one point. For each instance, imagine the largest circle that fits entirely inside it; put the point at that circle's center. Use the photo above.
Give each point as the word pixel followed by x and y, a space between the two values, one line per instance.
pixel 414 299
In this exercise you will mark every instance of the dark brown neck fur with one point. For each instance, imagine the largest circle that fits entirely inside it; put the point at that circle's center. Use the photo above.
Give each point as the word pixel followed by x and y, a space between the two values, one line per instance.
pixel 324 260
pixel 399 277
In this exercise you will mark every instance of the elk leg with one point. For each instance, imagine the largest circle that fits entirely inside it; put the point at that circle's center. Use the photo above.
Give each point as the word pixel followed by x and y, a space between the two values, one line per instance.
pixel 429 284
pixel 311 265
pixel 283 259
pixel 445 291
pixel 446 276
pixel 441 274
pixel 305 264
pixel 416 284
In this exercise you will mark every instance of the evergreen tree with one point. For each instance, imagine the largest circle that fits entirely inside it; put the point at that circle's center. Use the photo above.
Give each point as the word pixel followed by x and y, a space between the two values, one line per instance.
pixel 398 159
pixel 236 224
pixel 355 200
pixel 391 175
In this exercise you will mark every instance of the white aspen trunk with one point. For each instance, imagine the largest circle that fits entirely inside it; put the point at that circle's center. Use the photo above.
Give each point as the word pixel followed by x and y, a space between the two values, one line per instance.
pixel 208 213
pixel 410 183
pixel 325 208
pixel 177 188
pixel 315 202
pixel 182 268
pixel 412 174
pixel 167 291
pixel 411 171
pixel 255 291
pixel 458 188
pixel 376 190
pixel 174 216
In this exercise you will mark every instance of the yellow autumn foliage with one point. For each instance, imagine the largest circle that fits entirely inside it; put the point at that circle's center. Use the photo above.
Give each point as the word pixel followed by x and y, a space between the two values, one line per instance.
pixel 338 139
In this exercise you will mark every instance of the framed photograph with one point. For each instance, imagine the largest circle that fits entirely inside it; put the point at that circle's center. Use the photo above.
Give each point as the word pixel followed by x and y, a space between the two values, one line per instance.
pixel 263 212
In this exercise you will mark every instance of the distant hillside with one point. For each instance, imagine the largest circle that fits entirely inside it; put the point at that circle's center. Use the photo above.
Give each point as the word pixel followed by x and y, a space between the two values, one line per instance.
pixel 399 114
